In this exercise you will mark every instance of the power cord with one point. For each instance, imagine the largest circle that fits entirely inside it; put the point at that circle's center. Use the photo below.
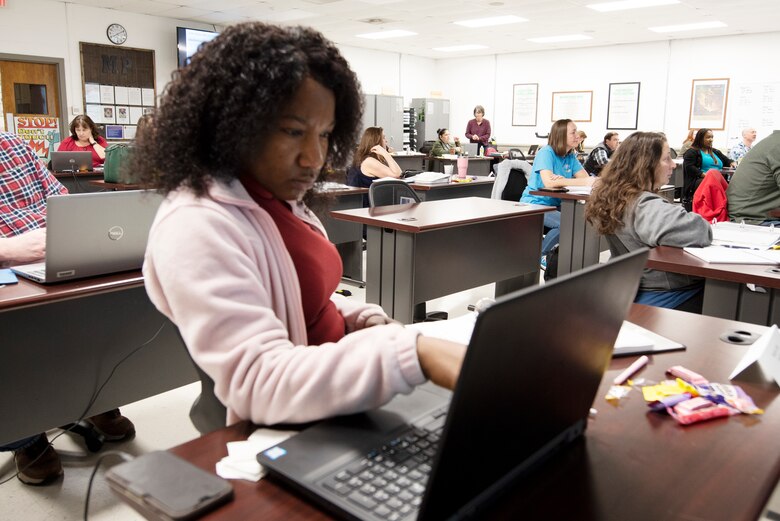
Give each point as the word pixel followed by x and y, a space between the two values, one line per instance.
pixel 91 402
pixel 124 455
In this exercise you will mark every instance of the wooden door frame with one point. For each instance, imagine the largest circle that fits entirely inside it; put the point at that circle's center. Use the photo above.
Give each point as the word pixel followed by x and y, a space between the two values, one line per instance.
pixel 60 63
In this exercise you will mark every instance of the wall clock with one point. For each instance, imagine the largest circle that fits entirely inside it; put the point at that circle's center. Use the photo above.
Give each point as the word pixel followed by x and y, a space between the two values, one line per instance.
pixel 117 34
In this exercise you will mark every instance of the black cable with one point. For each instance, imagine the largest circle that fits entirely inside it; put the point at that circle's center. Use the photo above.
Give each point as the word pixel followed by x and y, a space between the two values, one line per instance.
pixel 124 455
pixel 90 404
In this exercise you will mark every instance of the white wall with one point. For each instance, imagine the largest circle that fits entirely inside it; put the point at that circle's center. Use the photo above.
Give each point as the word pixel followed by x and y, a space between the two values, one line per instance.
pixel 665 70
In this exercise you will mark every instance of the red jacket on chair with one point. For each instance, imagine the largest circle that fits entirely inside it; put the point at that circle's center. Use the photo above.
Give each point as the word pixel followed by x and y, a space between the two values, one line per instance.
pixel 709 200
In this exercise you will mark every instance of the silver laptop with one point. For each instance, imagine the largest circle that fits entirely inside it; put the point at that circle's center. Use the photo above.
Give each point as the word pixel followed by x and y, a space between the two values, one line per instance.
pixel 94 234
pixel 471 148
pixel 524 392
pixel 71 161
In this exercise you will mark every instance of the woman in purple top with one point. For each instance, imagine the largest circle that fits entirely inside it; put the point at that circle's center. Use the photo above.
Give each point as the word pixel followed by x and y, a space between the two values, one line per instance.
pixel 478 129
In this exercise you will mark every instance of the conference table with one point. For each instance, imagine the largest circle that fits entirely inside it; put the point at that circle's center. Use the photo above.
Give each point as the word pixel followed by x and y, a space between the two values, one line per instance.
pixel 746 292
pixel 421 251
pixel 61 342
pixel 631 463
pixel 476 186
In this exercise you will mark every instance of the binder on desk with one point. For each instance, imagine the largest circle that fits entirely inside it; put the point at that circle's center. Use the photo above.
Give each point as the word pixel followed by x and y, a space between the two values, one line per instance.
pixel 744 235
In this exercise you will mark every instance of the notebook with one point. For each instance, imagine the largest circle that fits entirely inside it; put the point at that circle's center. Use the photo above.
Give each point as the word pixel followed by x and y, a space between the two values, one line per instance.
pixel 71 161
pixel 94 234
pixel 524 392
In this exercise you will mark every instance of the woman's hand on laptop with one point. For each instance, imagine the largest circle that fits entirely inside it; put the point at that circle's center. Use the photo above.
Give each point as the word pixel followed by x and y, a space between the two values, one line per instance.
pixel 440 360
pixel 25 248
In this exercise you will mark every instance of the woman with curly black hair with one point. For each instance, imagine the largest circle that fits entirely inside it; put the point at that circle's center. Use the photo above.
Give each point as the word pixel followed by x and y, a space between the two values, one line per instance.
pixel 237 260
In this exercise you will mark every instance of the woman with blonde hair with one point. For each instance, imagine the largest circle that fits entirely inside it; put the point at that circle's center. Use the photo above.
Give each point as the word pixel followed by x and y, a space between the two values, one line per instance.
pixel 626 208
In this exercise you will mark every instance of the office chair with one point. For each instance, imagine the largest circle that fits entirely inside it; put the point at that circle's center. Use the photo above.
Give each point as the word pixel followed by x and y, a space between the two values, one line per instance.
pixel 516 153
pixel 532 149
pixel 546 136
pixel 673 153
pixel 207 412
pixel 395 191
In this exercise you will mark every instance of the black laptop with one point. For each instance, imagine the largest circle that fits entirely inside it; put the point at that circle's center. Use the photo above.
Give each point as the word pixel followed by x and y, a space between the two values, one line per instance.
pixel 534 363
pixel 71 161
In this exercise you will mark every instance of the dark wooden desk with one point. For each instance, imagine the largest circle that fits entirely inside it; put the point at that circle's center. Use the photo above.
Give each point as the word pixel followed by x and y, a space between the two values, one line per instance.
pixel 482 186
pixel 726 294
pixel 60 342
pixel 78 182
pixel 418 252
pixel 410 161
pixel 100 183
pixel 631 464
pixel 479 166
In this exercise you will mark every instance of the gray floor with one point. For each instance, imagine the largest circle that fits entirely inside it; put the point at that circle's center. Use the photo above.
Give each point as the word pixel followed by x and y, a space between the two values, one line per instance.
pixel 161 422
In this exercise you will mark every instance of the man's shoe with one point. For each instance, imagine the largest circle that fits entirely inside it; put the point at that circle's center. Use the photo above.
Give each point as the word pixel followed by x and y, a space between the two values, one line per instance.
pixel 38 464
pixel 113 426
pixel 543 263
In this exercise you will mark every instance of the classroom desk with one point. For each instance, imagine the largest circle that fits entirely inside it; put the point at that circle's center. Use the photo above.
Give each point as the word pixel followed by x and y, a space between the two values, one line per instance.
pixel 726 294
pixel 115 187
pixel 418 252
pixel 60 342
pixel 482 186
pixel 580 244
pixel 78 182
pixel 410 161
pixel 631 464
pixel 348 237
pixel 479 166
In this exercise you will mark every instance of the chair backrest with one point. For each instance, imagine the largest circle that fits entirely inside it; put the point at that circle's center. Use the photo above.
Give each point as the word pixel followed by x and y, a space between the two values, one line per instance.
pixel 207 412
pixel 673 153
pixel 427 146
pixel 516 153
pixel 532 149
pixel 511 179
pixel 390 191
pixel 515 185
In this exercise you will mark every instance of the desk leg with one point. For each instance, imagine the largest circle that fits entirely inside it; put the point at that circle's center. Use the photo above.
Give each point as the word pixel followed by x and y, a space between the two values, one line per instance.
pixel 566 242
pixel 374 247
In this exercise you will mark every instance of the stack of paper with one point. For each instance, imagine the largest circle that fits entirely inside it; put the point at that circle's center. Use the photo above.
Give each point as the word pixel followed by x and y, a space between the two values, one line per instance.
pixel 428 178
pixel 744 235
pixel 580 189
pixel 241 461
pixel 735 255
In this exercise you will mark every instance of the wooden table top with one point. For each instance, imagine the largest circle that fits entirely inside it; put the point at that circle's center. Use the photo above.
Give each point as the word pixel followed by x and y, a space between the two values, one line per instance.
pixel 454 185
pixel 29 293
pixel 631 464
pixel 115 186
pixel 432 215
pixel 675 260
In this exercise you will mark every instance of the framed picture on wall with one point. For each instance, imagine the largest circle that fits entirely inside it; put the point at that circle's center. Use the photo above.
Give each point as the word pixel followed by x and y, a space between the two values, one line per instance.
pixel 525 98
pixel 573 105
pixel 709 99
pixel 623 106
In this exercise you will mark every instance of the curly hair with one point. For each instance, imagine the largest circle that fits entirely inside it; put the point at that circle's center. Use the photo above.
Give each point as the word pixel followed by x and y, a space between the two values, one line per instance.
pixel 559 137
pixel 371 137
pixel 698 141
pixel 630 171
pixel 216 111
pixel 83 121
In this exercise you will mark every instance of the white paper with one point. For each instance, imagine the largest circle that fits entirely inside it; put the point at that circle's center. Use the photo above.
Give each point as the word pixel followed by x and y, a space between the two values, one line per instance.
pixel 585 190
pixel 135 114
pixel 765 352
pixel 134 96
pixel 107 94
pixel 121 96
pixel 724 255
pixel 633 339
pixel 95 112
pixel 123 115
pixel 241 461
pixel 455 330
pixel 92 92
pixel 748 235
pixel 147 96
pixel 129 131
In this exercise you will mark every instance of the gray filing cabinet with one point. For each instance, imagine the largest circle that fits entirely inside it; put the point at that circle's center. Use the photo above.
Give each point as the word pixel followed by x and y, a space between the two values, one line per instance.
pixel 387 112
pixel 432 114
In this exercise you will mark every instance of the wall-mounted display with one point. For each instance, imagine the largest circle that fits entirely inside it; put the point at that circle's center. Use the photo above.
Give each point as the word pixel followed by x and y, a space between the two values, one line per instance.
pixel 525 99
pixel 623 106
pixel 574 105
pixel 709 99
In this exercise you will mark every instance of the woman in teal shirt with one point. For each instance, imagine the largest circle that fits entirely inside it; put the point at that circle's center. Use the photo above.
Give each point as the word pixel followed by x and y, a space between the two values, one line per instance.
pixel 697 161
pixel 556 165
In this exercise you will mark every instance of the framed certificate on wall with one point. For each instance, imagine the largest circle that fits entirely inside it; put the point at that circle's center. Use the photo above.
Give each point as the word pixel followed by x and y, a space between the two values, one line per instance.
pixel 573 105
pixel 525 98
pixel 623 106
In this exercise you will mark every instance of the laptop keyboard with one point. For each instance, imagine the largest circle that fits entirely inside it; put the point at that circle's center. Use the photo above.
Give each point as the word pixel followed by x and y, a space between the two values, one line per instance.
pixel 388 482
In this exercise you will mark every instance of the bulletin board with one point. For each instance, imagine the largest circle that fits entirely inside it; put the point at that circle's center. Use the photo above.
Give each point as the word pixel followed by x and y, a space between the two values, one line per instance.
pixel 118 87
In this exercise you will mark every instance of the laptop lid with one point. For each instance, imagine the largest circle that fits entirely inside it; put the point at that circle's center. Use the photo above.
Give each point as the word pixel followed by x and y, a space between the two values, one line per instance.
pixel 95 234
pixel 525 390
pixel 71 161
pixel 471 148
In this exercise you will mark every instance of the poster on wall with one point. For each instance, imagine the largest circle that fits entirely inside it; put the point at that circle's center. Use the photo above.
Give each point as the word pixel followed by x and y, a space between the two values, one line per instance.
pixel 525 98
pixel 42 133
pixel 573 105
pixel 709 99
pixel 623 106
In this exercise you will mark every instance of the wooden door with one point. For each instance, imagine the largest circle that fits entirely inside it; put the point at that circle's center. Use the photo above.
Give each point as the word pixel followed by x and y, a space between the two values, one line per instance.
pixel 31 89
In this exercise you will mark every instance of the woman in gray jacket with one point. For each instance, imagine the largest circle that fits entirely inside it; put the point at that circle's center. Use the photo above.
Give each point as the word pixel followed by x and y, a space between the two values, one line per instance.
pixel 626 208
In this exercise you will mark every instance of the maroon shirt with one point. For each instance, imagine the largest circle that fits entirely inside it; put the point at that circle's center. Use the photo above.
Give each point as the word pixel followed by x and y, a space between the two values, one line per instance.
pixel 316 261
pixel 483 131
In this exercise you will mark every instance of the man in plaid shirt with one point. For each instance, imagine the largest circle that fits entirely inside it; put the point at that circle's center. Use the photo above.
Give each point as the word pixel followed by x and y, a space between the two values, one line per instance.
pixel 25 183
